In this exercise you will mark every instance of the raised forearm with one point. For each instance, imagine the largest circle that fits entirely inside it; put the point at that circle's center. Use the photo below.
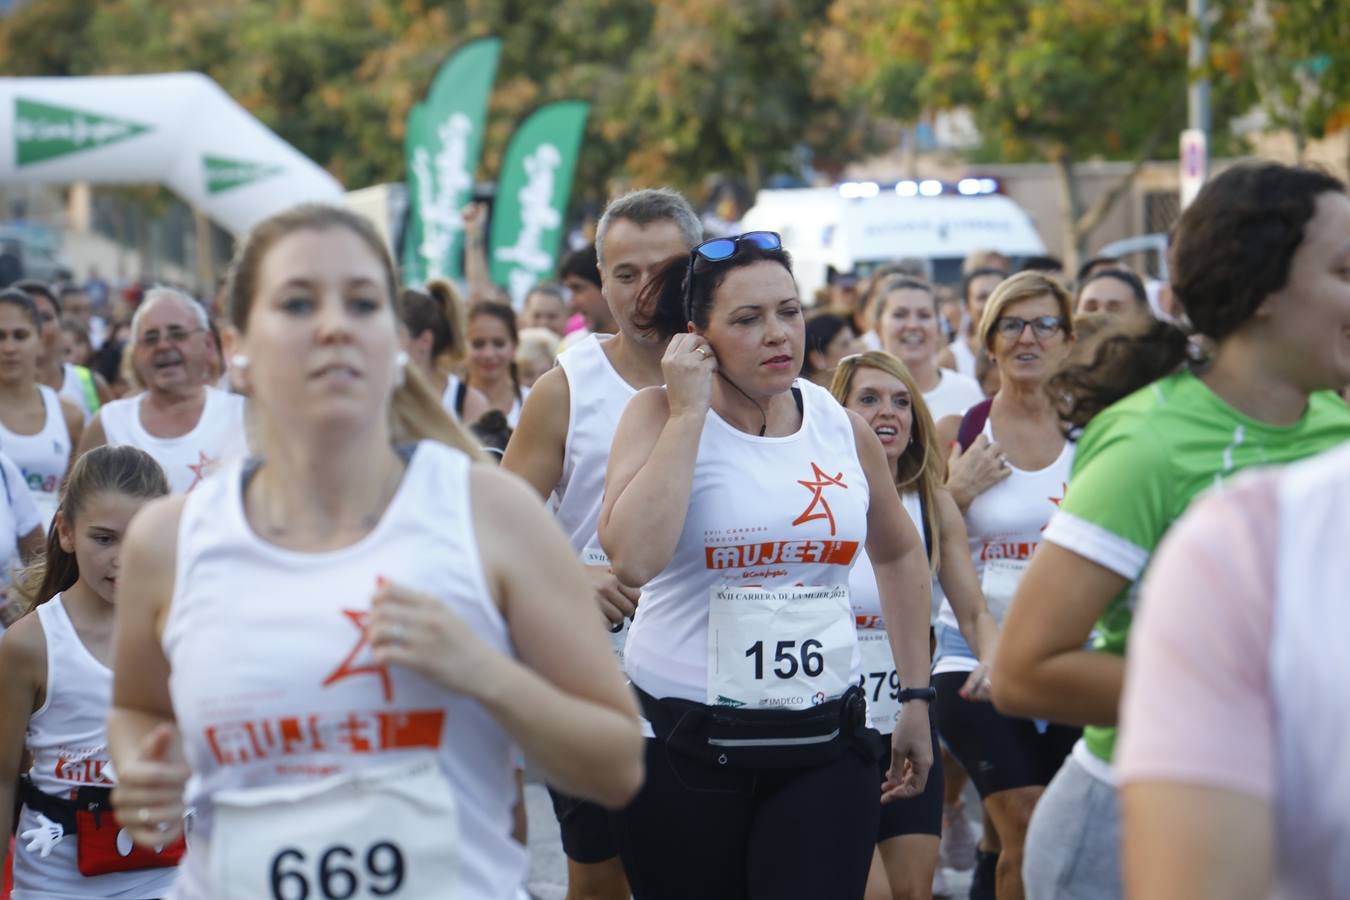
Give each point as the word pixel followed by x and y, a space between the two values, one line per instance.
pixel 643 527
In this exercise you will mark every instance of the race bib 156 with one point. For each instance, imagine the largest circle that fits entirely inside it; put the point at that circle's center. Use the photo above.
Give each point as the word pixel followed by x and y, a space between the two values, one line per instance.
pixel 779 648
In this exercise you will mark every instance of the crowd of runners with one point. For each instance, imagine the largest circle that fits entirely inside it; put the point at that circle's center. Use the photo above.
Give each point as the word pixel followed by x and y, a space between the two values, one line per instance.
pixel 757 583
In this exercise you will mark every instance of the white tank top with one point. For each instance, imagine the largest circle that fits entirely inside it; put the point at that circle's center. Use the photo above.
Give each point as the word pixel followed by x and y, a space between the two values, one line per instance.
pixel 72 388
pixel 1005 525
pixel 272 680
pixel 597 395
pixel 18 516
pixel 452 388
pixel 68 739
pixel 452 385
pixel 1308 671
pixel 770 512
pixel 965 359
pixel 218 436
pixel 42 457
pixel 862 581
pixel 513 416
pixel 873 641
pixel 954 394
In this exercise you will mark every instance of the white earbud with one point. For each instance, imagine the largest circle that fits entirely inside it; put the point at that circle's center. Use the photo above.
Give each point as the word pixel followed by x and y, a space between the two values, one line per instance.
pixel 239 361
pixel 400 367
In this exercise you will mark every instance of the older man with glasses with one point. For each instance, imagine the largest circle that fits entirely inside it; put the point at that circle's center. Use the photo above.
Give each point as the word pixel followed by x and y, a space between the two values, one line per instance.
pixel 180 420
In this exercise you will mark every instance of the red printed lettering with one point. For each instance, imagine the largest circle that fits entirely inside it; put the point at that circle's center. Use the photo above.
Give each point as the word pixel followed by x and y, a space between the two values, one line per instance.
pixel 744 556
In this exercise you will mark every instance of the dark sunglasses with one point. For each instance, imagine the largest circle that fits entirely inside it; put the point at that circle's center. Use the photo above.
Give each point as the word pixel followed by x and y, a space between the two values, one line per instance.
pixel 1011 327
pixel 721 250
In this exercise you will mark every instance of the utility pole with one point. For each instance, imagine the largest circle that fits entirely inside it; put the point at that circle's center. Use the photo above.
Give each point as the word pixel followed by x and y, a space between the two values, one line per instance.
pixel 1195 139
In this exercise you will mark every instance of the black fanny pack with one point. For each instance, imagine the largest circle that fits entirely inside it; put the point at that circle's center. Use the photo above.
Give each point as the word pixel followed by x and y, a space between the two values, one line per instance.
pixel 764 738
pixel 96 800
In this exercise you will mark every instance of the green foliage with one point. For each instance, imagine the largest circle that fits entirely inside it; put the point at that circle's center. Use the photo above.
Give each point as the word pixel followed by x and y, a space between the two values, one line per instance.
pixel 1297 56
pixel 1043 78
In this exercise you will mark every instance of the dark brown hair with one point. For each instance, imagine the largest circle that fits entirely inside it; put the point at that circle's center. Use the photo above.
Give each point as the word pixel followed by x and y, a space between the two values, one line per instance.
pixel 1233 247
pixel 437 309
pixel 660 303
pixel 107 469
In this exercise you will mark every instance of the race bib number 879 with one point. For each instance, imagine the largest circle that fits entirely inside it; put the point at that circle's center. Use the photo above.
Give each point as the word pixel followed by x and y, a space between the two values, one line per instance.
pixel 780 648
pixel 388 833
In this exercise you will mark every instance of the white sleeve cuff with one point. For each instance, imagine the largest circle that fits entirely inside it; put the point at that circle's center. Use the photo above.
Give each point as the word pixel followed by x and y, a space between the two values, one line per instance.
pixel 1093 542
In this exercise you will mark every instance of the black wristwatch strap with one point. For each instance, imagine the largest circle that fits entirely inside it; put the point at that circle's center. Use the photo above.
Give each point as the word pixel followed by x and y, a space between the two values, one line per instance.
pixel 924 693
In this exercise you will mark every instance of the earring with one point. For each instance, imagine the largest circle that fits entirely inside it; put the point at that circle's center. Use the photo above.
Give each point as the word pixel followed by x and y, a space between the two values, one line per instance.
pixel 239 361
pixel 400 368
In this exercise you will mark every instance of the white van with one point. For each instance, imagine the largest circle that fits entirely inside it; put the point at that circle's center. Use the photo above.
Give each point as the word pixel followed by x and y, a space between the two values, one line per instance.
pixel 860 225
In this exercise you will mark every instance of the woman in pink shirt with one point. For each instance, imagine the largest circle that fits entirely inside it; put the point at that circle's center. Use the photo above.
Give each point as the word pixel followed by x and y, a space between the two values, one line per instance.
pixel 1234 720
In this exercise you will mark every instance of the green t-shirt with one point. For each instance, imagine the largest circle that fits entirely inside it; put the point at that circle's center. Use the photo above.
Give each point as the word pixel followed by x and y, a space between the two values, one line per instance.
pixel 1139 464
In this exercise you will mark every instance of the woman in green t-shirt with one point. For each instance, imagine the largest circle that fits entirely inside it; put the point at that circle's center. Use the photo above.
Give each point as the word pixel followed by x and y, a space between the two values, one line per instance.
pixel 1262 269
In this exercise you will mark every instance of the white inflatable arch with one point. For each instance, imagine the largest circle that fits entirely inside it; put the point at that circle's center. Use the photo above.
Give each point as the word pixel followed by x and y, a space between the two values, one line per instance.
pixel 180 130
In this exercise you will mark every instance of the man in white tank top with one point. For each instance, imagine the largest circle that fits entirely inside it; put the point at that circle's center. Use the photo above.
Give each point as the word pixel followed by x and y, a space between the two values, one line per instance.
pixel 562 443
pixel 185 425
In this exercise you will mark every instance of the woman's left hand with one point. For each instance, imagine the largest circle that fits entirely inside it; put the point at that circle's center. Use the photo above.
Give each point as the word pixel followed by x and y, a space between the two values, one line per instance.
pixel 977 687
pixel 420 632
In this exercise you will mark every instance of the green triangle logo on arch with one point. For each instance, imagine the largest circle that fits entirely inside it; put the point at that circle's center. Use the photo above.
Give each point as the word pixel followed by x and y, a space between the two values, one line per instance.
pixel 44 131
pixel 227 174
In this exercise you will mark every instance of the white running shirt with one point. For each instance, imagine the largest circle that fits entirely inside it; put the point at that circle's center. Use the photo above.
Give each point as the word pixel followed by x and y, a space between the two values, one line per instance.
pixel 218 436
pixel 1005 525
pixel 272 678
pixel 68 739
pixel 597 396
pixel 43 457
pixel 764 512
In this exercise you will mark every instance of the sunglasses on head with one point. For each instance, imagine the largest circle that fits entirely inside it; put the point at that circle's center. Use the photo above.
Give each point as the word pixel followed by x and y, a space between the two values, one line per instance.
pixel 721 250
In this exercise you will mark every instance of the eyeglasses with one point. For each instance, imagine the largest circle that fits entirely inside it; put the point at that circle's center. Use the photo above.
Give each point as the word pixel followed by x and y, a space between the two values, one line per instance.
pixel 1011 327
pixel 152 338
pixel 721 250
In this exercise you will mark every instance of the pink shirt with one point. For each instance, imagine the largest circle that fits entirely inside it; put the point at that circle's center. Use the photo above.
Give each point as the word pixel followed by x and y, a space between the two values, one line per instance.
pixel 1240 662
pixel 1199 668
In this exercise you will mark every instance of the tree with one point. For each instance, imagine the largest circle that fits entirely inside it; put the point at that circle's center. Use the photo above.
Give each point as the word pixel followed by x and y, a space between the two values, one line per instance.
pixel 1297 55
pixel 1059 80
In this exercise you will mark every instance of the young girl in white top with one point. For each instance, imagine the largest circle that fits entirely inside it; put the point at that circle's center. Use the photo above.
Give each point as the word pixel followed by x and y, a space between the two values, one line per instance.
pixel 345 640
pixel 38 429
pixel 56 693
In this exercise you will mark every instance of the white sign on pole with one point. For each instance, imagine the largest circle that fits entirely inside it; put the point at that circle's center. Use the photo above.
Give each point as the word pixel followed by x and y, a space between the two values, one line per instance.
pixel 1194 163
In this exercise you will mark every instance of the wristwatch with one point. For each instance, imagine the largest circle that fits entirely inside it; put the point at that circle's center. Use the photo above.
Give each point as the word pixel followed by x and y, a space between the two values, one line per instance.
pixel 925 693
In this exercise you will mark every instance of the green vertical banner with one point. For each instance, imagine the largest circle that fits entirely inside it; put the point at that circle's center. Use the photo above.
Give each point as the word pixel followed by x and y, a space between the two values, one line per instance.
pixel 443 143
pixel 533 188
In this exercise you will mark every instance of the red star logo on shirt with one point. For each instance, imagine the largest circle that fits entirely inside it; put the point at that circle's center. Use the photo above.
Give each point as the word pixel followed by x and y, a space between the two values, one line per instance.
pixel 1063 489
pixel 204 462
pixel 346 669
pixel 817 489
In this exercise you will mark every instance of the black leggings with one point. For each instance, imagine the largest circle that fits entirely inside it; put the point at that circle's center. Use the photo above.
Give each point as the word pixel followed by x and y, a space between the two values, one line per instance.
pixel 703 832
